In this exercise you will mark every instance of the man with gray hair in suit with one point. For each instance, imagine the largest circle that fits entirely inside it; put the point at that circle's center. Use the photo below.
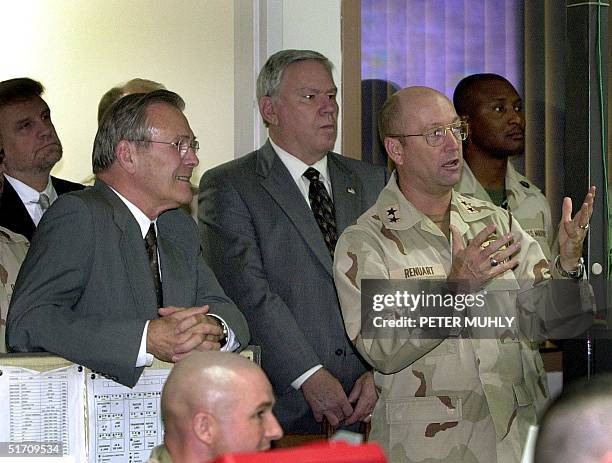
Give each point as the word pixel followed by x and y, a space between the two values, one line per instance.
pixel 115 276
pixel 269 223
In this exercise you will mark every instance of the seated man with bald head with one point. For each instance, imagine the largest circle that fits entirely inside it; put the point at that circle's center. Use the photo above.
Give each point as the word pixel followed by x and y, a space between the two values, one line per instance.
pixel 576 428
pixel 215 403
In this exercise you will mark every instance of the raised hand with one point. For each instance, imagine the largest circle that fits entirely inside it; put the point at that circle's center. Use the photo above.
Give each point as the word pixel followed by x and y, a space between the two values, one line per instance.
pixel 473 266
pixel 572 232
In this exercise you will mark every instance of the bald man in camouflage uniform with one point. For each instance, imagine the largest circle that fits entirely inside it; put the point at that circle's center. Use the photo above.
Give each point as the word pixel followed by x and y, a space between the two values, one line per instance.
pixel 494 111
pixel 451 399
pixel 13 248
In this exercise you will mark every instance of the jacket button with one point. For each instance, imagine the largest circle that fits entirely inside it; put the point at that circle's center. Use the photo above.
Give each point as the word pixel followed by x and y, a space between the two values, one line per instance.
pixel 339 352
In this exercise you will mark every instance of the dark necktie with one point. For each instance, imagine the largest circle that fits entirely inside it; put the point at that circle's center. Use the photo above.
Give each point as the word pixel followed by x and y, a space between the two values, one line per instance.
pixel 151 246
pixel 322 208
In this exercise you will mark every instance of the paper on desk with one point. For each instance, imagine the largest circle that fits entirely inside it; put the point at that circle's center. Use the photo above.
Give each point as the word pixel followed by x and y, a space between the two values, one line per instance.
pixel 44 406
pixel 125 424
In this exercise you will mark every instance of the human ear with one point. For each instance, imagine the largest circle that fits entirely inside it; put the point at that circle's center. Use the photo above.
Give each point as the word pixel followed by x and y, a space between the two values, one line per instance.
pixel 267 110
pixel 125 156
pixel 203 426
pixel 394 150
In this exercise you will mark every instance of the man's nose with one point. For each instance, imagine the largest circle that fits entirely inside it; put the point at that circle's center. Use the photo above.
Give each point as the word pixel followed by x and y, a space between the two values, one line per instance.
pixel 451 138
pixel 329 105
pixel 273 428
pixel 45 129
pixel 191 158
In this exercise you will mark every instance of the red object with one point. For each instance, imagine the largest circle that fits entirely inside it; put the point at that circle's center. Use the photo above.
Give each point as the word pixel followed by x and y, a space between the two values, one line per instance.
pixel 328 452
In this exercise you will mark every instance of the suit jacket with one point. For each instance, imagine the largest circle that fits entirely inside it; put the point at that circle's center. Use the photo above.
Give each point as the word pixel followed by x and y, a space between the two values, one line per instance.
pixel 262 240
pixel 85 289
pixel 13 213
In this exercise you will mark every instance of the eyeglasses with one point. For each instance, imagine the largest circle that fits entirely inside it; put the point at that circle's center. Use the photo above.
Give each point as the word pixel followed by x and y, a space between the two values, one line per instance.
pixel 435 137
pixel 181 146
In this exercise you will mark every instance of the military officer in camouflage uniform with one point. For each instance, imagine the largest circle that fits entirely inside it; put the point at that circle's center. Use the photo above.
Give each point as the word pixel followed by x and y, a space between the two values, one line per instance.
pixel 13 248
pixel 450 399
pixel 494 112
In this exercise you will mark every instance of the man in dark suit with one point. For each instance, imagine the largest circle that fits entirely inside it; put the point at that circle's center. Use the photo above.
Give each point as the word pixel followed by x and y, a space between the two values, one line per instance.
pixel 268 225
pixel 31 147
pixel 115 275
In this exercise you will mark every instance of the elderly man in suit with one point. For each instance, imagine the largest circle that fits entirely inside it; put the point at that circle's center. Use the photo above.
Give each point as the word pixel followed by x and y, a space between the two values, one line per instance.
pixel 269 223
pixel 31 147
pixel 115 276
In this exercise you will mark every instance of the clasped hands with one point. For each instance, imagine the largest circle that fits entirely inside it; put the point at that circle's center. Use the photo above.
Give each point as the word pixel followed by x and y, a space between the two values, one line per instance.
pixel 326 398
pixel 475 264
pixel 180 331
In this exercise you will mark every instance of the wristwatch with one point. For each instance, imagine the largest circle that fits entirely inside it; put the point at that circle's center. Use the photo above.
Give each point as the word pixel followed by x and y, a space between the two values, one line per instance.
pixel 576 274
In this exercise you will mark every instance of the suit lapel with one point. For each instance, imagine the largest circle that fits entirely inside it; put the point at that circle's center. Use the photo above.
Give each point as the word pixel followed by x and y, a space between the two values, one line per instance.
pixel 277 181
pixel 133 252
pixel 14 214
pixel 170 257
pixel 346 191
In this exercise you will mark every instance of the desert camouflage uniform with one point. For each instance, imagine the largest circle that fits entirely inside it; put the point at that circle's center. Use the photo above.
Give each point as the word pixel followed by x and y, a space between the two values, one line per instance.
pixel 13 248
pixel 532 211
pixel 457 400
pixel 525 201
pixel 160 455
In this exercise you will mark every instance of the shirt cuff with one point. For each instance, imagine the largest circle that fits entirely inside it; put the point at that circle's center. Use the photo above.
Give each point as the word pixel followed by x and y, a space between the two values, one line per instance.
pixel 297 383
pixel 231 343
pixel 144 358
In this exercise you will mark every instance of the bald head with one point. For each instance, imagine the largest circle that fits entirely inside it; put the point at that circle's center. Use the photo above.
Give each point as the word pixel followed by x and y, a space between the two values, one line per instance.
pixel 578 426
pixel 404 105
pixel 215 403
pixel 204 380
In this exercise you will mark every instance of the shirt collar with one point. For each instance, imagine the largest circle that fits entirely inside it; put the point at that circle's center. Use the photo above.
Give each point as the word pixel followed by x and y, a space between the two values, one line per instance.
pixel 398 213
pixel 143 221
pixel 297 167
pixel 27 194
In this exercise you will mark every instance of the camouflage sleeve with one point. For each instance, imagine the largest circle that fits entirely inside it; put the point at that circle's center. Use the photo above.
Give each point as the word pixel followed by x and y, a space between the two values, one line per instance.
pixel 359 255
pixel 549 305
pixel 551 233
pixel 533 266
pixel 13 249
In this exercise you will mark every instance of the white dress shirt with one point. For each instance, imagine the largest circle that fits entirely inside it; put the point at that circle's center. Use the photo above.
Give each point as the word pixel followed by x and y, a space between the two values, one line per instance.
pixel 30 197
pixel 145 358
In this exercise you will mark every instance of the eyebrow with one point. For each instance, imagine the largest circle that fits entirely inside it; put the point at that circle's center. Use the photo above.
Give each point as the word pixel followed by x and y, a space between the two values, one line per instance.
pixel 21 121
pixel 264 405
pixel 499 98
pixel 317 90
pixel 435 125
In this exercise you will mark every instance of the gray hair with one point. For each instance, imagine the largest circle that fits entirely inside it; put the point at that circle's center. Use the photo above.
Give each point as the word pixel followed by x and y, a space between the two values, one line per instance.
pixel 271 75
pixel 127 120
